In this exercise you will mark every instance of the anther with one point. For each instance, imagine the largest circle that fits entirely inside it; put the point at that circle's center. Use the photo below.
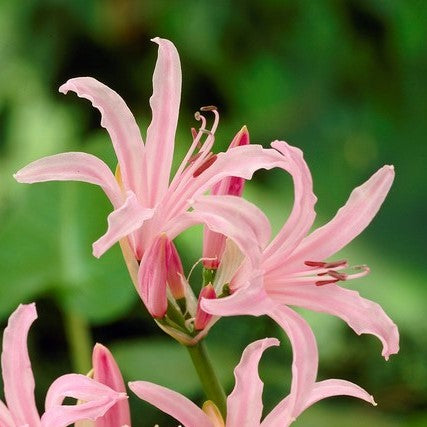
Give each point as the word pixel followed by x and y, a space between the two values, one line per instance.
pixel 336 275
pixel 334 264
pixel 208 108
pixel 205 165
pixel 325 282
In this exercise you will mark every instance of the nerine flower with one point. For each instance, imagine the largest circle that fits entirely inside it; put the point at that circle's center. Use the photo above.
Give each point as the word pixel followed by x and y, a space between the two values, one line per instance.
pixel 146 202
pixel 293 268
pixel 18 380
pixel 244 404
pixel 106 371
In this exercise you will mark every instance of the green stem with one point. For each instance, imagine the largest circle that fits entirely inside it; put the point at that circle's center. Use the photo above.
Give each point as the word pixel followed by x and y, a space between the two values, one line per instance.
pixel 210 382
pixel 79 341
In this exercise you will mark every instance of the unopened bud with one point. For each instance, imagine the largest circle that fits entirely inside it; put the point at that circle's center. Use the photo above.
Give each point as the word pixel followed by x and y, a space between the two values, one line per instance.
pixel 152 277
pixel 175 272
pixel 203 318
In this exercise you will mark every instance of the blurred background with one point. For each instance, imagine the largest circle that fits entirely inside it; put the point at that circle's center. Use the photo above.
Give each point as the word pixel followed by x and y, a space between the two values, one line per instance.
pixel 343 80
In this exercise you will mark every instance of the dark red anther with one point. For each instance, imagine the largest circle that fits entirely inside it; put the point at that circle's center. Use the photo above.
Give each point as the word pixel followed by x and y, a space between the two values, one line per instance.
pixel 206 164
pixel 321 264
pixel 336 275
pixel 325 282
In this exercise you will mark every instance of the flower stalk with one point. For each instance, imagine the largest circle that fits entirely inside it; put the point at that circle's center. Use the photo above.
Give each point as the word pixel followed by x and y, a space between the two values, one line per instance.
pixel 207 375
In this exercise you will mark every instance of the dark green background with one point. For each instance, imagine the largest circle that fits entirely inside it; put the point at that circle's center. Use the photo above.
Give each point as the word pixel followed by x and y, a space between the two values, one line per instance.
pixel 343 80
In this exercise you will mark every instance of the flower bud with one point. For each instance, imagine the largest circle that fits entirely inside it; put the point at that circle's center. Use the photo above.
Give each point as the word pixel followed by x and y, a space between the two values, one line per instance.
pixel 203 318
pixel 214 243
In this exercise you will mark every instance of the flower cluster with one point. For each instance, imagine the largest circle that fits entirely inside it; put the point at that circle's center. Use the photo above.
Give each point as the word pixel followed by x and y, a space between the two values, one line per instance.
pixel 245 272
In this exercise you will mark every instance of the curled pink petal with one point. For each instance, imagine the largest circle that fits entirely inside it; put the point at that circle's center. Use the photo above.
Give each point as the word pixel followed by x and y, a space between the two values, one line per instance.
pixel 361 207
pixel 121 223
pixel 16 367
pixel 248 387
pixel 161 132
pixel 98 399
pixel 152 277
pixel 302 215
pixel 171 402
pixel 330 388
pixel 72 167
pixel 106 371
pixel 120 124
pixel 304 364
pixel 362 315
pixel 240 161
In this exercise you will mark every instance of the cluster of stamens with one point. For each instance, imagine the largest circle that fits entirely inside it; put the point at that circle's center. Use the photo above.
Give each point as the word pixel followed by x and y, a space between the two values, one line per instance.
pixel 330 274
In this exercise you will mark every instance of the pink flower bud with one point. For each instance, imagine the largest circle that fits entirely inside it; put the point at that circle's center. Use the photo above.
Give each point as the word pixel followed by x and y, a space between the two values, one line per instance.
pixel 203 318
pixel 214 243
pixel 175 272
pixel 152 277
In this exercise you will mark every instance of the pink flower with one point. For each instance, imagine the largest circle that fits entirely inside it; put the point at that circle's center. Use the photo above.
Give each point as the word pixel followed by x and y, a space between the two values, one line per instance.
pixel 19 384
pixel 146 203
pixel 292 269
pixel 105 371
pixel 244 404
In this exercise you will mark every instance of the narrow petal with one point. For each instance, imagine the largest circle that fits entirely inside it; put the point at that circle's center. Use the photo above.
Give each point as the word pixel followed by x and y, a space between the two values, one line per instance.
pixel 6 419
pixel 248 300
pixel 121 223
pixel 302 215
pixel 72 167
pixel 106 371
pixel 330 388
pixel 120 124
pixel 361 207
pixel 98 399
pixel 362 315
pixel 239 211
pixel 240 161
pixel 152 277
pixel 304 364
pixel 171 402
pixel 241 233
pixel 161 132
pixel 248 387
pixel 16 367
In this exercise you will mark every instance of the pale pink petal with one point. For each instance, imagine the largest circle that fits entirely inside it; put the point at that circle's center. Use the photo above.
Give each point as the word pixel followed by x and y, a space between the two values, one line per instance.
pixel 171 402
pixel 240 161
pixel 152 277
pixel 241 234
pixel 248 386
pixel 120 124
pixel 363 315
pixel 302 215
pixel 6 419
pixel 361 207
pixel 121 223
pixel 106 371
pixel 238 211
pixel 248 300
pixel 330 388
pixel 161 132
pixel 304 364
pixel 98 399
pixel 72 167
pixel 16 367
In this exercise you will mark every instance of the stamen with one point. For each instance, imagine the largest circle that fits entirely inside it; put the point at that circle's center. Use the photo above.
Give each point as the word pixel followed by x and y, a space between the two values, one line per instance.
pixel 336 275
pixel 325 282
pixel 205 165
pixel 333 264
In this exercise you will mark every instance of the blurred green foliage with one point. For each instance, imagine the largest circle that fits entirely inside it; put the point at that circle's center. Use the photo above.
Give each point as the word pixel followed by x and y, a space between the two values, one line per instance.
pixel 343 80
